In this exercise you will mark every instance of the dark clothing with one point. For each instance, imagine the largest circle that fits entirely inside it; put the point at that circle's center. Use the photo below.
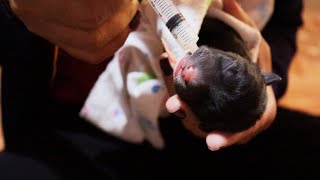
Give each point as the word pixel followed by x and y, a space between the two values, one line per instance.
pixel 48 140
pixel 280 33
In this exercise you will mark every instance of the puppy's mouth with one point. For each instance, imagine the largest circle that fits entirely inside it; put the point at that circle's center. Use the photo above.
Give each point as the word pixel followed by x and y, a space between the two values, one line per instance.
pixel 180 65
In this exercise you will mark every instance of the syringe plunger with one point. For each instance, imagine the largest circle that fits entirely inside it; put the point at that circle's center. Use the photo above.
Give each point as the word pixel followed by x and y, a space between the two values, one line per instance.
pixel 176 23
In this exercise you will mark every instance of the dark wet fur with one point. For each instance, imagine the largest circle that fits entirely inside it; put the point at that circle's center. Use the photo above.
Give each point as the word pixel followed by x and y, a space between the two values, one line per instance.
pixel 231 93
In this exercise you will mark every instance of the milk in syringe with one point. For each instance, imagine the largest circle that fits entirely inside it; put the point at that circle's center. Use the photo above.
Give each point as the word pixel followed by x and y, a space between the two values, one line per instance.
pixel 176 23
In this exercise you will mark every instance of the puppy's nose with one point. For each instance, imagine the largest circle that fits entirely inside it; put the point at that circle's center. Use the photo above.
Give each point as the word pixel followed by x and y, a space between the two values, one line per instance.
pixel 188 73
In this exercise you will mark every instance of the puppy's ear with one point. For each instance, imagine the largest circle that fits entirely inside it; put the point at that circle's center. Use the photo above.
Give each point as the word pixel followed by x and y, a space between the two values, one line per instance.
pixel 270 78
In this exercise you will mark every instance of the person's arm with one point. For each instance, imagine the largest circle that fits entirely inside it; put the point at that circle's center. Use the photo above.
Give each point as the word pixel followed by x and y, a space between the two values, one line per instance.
pixel 91 30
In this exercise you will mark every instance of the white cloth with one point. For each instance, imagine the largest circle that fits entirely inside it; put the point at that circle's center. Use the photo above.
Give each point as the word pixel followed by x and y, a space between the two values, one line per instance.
pixel 129 96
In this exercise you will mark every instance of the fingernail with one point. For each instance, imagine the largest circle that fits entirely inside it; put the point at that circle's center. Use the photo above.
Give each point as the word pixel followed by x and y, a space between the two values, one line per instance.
pixel 135 21
pixel 165 67
pixel 213 149
pixel 179 114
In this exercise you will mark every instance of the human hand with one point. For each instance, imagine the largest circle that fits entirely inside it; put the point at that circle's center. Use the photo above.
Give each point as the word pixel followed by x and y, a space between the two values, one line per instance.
pixel 215 140
pixel 90 30
pixel 264 57
pixel 233 8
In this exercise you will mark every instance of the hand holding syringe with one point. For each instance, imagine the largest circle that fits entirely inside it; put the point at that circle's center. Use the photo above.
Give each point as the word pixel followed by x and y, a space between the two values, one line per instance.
pixel 176 23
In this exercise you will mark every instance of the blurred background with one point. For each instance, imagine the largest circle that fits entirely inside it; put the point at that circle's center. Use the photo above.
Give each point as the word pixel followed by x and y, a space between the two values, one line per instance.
pixel 303 94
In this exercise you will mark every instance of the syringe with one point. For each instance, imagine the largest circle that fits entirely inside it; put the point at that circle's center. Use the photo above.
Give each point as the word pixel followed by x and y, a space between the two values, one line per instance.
pixel 176 23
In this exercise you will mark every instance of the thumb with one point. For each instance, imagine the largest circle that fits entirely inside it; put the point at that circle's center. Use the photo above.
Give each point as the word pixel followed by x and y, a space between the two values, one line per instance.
pixel 218 140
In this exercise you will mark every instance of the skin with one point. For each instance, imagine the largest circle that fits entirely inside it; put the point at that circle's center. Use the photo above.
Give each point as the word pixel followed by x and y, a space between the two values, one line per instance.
pixel 80 27
pixel 81 30
pixel 217 139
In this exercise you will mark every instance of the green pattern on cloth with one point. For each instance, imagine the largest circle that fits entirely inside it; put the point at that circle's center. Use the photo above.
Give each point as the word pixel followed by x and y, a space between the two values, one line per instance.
pixel 145 77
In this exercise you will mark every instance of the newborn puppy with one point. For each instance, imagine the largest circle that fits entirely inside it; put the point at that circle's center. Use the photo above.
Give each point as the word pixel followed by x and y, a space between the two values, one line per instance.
pixel 223 88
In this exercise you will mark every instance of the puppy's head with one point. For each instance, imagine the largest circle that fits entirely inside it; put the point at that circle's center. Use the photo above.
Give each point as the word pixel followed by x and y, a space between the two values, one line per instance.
pixel 226 91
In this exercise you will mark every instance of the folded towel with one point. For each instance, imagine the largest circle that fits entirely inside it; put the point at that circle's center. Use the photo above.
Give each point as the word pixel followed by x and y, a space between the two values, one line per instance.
pixel 130 95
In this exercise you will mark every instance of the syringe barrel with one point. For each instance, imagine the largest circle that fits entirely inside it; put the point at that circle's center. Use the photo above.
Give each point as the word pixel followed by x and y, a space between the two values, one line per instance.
pixel 176 23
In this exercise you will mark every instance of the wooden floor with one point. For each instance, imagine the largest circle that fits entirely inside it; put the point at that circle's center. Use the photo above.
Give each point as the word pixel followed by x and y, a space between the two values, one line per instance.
pixel 303 93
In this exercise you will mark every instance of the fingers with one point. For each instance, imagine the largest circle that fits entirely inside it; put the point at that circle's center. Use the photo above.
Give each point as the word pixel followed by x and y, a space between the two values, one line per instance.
pixel 173 104
pixel 264 57
pixel 218 140
pixel 190 121
pixel 232 7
